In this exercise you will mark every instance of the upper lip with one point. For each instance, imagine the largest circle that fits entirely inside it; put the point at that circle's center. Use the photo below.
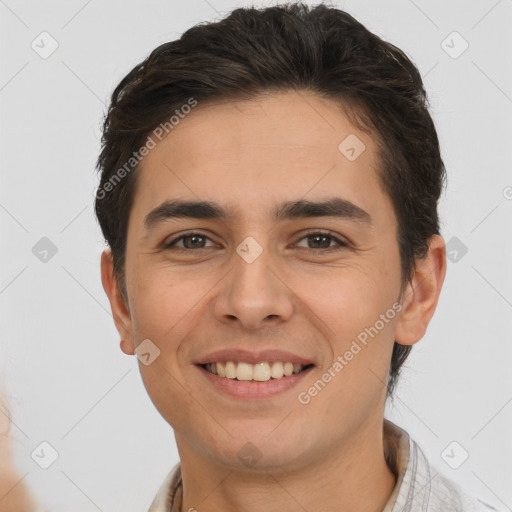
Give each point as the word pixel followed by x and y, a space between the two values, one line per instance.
pixel 251 357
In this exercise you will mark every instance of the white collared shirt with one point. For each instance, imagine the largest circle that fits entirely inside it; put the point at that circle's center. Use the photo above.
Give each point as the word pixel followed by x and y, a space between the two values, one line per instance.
pixel 419 487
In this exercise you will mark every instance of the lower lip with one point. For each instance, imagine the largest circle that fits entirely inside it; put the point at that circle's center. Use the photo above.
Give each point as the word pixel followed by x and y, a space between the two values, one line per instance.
pixel 250 389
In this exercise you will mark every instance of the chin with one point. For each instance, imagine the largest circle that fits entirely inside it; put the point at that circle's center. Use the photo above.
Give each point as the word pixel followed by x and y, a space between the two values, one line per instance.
pixel 258 452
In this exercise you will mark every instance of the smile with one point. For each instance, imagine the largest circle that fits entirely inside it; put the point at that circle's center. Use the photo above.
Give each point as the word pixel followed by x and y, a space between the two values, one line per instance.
pixel 259 381
pixel 259 372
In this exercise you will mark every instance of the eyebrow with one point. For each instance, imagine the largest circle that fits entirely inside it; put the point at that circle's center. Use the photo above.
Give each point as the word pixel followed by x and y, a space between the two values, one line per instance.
pixel 301 209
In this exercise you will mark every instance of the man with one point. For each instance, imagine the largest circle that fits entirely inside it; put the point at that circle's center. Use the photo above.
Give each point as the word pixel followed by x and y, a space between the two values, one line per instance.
pixel 269 188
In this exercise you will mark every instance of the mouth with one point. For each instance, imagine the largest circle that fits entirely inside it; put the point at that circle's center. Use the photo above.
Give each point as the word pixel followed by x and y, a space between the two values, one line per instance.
pixel 259 372
pixel 253 381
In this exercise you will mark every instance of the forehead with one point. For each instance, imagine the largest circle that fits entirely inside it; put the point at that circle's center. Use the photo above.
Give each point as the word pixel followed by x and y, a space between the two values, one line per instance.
pixel 253 154
pixel 271 126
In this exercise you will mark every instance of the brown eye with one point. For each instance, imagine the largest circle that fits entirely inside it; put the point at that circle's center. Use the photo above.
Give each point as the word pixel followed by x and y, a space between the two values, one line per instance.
pixel 318 242
pixel 190 241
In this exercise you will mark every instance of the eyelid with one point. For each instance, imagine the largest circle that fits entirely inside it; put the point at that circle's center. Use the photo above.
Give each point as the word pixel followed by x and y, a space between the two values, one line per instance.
pixel 173 241
pixel 340 240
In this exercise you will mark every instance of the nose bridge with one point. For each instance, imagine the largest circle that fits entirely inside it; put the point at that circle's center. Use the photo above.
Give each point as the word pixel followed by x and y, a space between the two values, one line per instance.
pixel 251 268
pixel 252 293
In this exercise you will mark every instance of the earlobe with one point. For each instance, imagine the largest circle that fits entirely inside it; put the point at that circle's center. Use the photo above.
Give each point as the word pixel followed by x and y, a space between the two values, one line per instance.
pixel 120 312
pixel 422 293
pixel 127 347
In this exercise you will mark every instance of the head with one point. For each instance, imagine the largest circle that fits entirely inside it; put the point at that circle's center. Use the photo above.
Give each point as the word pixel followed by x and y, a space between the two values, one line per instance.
pixel 284 106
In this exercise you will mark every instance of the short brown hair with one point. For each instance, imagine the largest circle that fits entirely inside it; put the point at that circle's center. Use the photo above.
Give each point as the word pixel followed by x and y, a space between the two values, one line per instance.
pixel 281 48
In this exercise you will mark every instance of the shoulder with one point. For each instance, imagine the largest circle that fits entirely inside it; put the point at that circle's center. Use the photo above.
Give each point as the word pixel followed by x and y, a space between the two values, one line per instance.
pixel 165 496
pixel 441 493
pixel 421 486
pixel 447 495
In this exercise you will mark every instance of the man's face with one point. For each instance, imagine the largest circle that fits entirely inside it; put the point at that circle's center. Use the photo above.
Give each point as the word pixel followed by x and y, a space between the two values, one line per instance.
pixel 254 283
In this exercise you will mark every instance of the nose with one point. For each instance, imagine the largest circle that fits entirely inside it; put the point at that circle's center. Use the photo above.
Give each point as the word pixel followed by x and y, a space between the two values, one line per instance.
pixel 253 295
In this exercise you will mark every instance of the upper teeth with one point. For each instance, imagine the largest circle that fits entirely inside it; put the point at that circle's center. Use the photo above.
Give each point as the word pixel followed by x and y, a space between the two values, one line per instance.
pixel 260 371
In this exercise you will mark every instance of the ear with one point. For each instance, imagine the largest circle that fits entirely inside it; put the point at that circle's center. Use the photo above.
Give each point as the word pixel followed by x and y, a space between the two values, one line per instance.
pixel 422 293
pixel 120 311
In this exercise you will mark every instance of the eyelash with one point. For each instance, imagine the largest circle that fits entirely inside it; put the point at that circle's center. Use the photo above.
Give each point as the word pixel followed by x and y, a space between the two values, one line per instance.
pixel 171 245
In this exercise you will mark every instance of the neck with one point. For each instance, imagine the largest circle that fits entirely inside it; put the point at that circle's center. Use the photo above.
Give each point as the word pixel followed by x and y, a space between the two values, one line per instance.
pixel 353 476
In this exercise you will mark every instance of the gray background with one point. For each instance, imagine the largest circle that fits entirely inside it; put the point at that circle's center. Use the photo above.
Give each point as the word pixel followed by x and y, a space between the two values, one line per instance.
pixel 67 381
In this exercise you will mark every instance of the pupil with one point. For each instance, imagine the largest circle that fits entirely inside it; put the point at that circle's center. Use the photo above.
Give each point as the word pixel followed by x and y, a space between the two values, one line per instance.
pixel 317 237
pixel 194 237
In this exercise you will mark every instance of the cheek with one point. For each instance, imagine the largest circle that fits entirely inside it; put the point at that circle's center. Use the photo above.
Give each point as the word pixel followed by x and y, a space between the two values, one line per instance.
pixel 156 304
pixel 351 297
pixel 159 314
pixel 170 394
pixel 358 307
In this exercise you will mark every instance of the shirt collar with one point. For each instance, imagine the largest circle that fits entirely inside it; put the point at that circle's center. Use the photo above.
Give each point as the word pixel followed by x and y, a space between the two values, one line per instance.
pixel 399 447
